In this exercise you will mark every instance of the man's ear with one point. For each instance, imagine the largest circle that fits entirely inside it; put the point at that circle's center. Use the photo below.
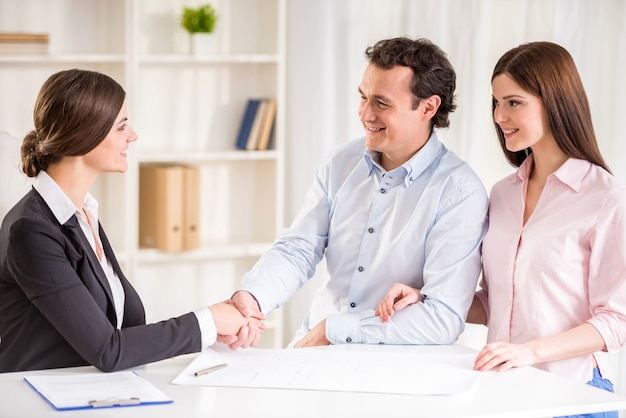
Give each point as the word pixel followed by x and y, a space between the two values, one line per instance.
pixel 429 106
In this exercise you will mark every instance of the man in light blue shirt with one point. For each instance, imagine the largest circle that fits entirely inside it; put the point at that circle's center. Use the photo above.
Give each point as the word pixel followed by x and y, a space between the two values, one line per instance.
pixel 393 207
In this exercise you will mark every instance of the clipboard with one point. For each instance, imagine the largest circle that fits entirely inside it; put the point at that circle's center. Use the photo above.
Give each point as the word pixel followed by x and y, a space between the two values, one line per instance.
pixel 92 390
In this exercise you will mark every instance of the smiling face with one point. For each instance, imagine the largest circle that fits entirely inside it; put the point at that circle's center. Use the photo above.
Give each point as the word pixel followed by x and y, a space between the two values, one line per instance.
pixel 392 125
pixel 520 115
pixel 110 154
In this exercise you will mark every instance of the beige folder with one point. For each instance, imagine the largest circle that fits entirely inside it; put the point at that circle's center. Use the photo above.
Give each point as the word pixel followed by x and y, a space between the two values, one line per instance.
pixel 191 214
pixel 161 205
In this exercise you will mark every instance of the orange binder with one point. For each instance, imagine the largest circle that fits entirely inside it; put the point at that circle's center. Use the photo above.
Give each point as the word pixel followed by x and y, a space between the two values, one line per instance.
pixel 191 214
pixel 161 206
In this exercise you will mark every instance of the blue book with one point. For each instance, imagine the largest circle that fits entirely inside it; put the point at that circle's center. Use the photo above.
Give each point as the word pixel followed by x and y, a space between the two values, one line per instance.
pixel 246 123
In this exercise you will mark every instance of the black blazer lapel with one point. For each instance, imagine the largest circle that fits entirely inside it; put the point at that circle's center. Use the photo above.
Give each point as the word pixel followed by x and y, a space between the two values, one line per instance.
pixel 77 236
pixel 108 250
pixel 134 313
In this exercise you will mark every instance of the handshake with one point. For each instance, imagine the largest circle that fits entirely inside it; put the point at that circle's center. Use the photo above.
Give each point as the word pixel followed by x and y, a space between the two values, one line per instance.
pixel 239 321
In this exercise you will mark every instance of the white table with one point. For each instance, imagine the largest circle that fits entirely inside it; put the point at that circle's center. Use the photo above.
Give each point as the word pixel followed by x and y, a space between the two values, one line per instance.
pixel 524 392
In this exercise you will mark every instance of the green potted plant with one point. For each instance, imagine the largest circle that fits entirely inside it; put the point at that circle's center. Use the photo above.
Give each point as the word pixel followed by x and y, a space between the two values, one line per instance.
pixel 200 22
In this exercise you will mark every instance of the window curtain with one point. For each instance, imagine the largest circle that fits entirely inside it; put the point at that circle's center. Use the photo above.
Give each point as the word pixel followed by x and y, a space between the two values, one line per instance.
pixel 326 40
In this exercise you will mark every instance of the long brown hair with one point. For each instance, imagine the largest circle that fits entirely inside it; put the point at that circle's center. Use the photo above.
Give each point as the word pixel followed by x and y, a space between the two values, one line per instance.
pixel 74 112
pixel 548 71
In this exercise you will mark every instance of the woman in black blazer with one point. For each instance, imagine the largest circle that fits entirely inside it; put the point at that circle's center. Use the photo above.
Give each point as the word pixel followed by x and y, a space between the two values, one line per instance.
pixel 64 301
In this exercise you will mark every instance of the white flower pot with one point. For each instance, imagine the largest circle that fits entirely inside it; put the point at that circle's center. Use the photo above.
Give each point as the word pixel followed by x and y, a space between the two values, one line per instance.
pixel 203 44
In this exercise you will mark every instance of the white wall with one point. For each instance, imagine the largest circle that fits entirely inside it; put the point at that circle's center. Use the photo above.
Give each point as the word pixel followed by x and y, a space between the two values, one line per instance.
pixel 326 41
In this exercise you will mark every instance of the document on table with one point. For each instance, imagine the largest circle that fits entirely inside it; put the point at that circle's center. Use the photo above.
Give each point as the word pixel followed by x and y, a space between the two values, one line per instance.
pixel 96 390
pixel 399 372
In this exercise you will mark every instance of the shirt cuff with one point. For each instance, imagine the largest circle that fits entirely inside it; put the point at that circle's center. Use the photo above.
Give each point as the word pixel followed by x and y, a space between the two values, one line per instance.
pixel 208 330
pixel 343 329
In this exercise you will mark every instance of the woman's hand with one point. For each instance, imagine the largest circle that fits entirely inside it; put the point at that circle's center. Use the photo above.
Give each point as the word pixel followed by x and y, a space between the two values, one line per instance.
pixel 398 297
pixel 504 356
pixel 579 341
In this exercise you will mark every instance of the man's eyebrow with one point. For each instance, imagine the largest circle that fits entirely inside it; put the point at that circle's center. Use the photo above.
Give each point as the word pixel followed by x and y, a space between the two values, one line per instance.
pixel 376 96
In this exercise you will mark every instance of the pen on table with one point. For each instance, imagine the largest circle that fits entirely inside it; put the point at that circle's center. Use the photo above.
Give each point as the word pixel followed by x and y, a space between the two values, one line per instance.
pixel 210 369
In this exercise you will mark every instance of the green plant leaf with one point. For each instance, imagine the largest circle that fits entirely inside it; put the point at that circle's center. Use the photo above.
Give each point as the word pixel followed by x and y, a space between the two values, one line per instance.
pixel 199 19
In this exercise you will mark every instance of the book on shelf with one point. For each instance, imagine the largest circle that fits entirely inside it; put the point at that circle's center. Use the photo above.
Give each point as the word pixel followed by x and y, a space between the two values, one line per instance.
pixel 268 125
pixel 253 138
pixel 23 43
pixel 257 124
pixel 246 123
pixel 169 207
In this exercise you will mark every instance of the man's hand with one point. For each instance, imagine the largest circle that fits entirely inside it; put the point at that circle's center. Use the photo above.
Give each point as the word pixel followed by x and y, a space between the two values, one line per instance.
pixel 398 297
pixel 315 337
pixel 248 336
pixel 247 305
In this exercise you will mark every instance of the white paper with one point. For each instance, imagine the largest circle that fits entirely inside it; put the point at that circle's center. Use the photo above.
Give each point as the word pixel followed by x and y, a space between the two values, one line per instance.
pixel 69 391
pixel 335 370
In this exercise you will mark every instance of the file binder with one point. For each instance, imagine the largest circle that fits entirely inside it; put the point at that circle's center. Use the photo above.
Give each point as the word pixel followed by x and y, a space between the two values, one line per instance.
pixel 191 214
pixel 169 207
pixel 161 206
pixel 66 392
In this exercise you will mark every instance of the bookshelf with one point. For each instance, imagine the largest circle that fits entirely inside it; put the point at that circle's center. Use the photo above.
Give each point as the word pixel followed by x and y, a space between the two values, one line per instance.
pixel 187 110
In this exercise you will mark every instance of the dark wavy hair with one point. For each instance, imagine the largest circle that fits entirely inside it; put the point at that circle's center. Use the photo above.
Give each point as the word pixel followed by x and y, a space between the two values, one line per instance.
pixel 548 71
pixel 74 112
pixel 432 72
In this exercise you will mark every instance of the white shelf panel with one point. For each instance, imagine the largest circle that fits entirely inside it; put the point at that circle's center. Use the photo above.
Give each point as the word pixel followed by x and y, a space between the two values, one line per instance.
pixel 159 59
pixel 56 59
pixel 200 157
pixel 214 252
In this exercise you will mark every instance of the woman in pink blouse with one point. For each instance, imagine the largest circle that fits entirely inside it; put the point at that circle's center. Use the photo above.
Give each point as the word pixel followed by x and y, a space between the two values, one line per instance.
pixel 553 293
